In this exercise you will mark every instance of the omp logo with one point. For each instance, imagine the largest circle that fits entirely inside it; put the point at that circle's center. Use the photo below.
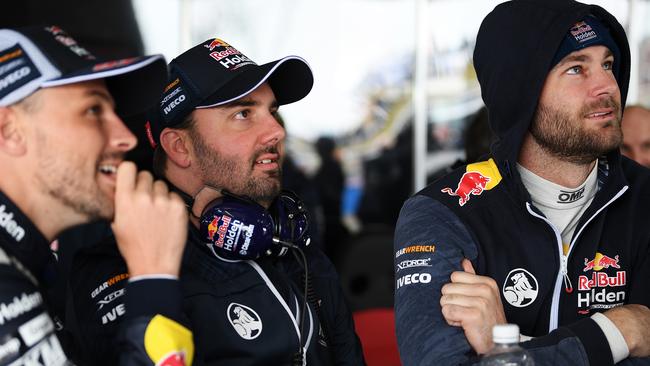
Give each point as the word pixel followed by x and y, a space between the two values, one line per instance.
pixel 410 279
pixel 570 196
pixel 10 225
pixel 19 306
pixel 409 263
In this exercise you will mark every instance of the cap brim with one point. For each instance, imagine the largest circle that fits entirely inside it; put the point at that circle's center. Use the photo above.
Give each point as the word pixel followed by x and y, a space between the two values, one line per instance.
pixel 290 79
pixel 134 83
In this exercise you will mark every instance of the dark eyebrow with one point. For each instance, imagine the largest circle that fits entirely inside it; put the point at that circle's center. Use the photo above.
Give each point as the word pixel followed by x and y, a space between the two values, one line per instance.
pixel 240 103
pixel 102 95
pixel 244 102
pixel 581 58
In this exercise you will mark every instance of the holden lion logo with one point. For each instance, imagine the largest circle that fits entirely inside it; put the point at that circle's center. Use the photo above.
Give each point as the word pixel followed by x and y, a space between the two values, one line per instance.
pixel 472 183
pixel 245 321
pixel 520 288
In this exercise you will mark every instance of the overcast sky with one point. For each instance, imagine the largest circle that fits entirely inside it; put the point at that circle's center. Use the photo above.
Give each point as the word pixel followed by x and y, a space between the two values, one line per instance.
pixel 343 40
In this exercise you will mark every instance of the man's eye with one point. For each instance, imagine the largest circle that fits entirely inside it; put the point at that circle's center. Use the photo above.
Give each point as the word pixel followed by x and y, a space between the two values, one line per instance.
pixel 95 110
pixel 242 114
pixel 574 70
pixel 608 65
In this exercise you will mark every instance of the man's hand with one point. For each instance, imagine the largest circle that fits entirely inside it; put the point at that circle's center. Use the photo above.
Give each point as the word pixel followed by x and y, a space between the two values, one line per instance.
pixel 150 223
pixel 473 303
pixel 633 321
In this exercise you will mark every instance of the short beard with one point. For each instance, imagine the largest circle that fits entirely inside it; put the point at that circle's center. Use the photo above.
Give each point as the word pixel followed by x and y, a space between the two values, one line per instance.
pixel 561 135
pixel 61 178
pixel 227 173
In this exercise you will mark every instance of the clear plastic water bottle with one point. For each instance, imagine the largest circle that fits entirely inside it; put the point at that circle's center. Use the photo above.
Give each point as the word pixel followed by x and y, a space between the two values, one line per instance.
pixel 506 350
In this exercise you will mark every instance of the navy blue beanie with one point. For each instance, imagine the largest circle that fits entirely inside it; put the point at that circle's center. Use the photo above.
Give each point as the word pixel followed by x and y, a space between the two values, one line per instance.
pixel 586 33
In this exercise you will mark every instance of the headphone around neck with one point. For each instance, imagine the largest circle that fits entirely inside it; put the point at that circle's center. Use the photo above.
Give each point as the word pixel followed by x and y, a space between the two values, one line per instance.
pixel 235 227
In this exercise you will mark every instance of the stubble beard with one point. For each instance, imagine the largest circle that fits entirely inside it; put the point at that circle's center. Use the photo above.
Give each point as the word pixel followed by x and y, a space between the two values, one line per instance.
pixel 561 135
pixel 60 176
pixel 236 176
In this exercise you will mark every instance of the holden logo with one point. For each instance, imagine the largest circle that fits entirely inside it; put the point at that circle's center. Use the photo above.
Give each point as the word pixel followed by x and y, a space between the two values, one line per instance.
pixel 520 288
pixel 245 321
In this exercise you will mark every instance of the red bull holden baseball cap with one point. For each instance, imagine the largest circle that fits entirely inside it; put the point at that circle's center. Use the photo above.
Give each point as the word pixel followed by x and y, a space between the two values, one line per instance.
pixel 215 73
pixel 40 57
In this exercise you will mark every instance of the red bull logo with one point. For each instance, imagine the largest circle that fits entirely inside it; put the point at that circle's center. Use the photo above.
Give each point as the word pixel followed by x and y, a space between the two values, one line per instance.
pixel 216 43
pixel 471 183
pixel 600 261
pixel 601 279
pixel 580 27
pixel 583 32
pixel 173 359
pixel 212 227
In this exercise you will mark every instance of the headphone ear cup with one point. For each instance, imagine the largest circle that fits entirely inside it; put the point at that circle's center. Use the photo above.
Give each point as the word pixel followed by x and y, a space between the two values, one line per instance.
pixel 292 219
pixel 236 228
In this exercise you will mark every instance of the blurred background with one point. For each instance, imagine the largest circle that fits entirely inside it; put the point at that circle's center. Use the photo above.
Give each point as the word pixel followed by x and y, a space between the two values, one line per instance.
pixel 395 104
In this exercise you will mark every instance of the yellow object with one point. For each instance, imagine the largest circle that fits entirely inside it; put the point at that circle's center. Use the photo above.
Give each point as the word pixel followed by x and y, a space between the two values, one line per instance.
pixel 165 337
pixel 488 169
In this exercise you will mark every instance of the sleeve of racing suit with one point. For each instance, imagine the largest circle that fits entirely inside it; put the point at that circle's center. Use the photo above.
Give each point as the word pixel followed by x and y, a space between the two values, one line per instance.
pixel 430 242
pixel 151 333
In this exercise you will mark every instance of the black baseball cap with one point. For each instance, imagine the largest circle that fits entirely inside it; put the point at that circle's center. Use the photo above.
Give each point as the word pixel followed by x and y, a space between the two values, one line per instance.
pixel 214 73
pixel 39 57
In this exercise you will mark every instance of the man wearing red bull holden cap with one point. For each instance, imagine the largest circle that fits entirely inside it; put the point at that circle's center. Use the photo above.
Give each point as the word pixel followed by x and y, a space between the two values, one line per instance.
pixel 549 232
pixel 62 147
pixel 218 142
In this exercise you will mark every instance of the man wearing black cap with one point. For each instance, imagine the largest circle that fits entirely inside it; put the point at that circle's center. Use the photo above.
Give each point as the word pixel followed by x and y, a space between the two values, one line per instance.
pixel 62 146
pixel 218 142
pixel 551 232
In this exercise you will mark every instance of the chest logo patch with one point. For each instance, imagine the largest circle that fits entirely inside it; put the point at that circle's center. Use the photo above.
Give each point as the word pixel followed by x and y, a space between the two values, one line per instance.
pixel 471 183
pixel 520 288
pixel 600 261
pixel 246 321
pixel 478 177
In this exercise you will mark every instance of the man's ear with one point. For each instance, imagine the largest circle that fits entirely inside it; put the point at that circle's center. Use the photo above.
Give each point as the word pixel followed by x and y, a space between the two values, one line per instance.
pixel 12 134
pixel 175 142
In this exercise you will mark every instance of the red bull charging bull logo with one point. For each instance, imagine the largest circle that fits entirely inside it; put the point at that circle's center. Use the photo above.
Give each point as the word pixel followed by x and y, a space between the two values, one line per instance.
pixel 216 43
pixel 220 230
pixel 599 262
pixel 471 183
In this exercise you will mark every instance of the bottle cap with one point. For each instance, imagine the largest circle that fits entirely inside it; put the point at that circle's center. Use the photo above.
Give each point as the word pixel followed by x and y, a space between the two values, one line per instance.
pixel 505 333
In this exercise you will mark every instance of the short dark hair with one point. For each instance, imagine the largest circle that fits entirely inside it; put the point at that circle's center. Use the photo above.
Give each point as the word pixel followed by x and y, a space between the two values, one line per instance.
pixel 159 154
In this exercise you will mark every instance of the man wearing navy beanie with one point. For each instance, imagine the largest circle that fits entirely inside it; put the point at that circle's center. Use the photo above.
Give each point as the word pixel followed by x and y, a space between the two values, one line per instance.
pixel 550 232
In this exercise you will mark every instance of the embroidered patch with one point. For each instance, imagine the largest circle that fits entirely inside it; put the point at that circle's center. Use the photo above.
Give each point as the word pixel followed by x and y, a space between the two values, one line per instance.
pixel 520 288
pixel 477 178
pixel 246 321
